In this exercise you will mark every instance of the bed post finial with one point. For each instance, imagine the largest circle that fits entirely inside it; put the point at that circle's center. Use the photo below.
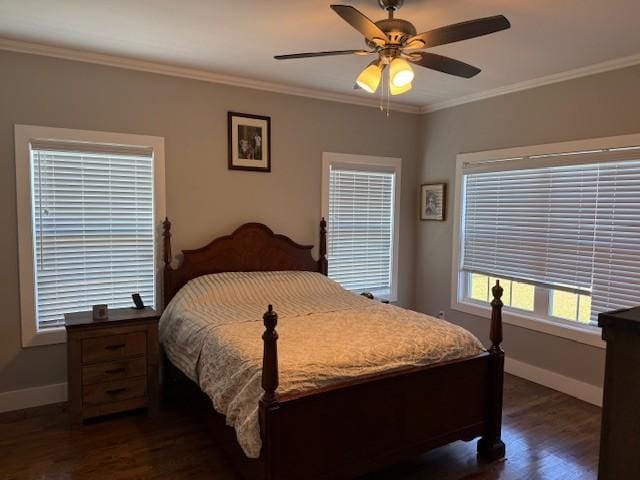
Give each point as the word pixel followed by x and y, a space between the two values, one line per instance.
pixel 270 356
pixel 490 446
pixel 496 318
pixel 324 263
pixel 166 235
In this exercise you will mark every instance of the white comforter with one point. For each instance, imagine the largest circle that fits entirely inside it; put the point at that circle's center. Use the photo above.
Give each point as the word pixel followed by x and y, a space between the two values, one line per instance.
pixel 212 331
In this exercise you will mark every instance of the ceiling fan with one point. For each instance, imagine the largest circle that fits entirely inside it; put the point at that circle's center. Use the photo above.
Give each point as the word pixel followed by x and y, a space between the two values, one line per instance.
pixel 397 45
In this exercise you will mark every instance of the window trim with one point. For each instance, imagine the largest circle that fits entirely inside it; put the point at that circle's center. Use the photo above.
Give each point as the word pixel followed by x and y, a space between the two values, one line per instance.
pixel 23 136
pixel 329 158
pixel 579 333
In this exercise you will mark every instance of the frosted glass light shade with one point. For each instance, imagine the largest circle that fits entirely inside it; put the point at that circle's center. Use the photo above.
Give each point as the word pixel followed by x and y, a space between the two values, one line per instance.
pixel 398 90
pixel 369 78
pixel 400 73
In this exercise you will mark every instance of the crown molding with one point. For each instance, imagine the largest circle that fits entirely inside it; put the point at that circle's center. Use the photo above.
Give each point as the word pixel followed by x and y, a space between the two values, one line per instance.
pixel 192 73
pixel 594 69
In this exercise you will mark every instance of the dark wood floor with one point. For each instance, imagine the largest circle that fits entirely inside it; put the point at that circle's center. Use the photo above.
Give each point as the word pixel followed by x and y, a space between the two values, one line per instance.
pixel 548 435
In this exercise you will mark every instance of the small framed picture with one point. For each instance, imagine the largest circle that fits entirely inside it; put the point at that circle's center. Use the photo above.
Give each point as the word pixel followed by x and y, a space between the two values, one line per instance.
pixel 249 142
pixel 433 201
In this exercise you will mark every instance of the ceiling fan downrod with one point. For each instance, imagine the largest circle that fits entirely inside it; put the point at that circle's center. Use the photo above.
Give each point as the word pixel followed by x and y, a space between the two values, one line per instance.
pixel 391 6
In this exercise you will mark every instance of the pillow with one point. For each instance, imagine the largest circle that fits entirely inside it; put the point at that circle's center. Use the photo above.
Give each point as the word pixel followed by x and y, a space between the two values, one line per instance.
pixel 260 287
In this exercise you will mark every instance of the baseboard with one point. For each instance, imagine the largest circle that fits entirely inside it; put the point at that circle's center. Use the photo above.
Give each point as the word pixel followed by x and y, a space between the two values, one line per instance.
pixel 581 390
pixel 33 397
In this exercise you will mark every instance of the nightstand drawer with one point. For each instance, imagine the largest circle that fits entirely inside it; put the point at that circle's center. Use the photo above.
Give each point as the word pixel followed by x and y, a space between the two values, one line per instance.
pixel 108 371
pixel 108 392
pixel 113 347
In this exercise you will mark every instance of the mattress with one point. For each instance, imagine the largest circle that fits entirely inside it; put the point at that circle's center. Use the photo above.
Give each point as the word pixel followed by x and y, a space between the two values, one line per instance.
pixel 212 332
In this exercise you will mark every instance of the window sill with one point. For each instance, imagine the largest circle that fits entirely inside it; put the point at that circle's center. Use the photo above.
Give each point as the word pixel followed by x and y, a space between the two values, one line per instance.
pixel 387 298
pixel 38 339
pixel 582 334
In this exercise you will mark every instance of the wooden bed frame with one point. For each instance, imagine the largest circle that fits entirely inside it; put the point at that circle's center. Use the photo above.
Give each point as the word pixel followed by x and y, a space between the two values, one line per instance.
pixel 345 430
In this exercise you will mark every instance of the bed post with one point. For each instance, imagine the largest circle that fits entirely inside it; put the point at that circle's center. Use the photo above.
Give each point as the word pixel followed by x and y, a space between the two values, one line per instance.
pixel 166 247
pixel 490 446
pixel 166 236
pixel 268 406
pixel 324 263
pixel 270 357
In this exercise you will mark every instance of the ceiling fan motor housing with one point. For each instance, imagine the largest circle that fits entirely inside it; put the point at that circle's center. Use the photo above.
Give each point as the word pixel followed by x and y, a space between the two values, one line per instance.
pixel 397 30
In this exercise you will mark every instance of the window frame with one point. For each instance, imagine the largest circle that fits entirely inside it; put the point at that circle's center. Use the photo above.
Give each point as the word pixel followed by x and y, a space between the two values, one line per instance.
pixel 23 136
pixel 581 333
pixel 392 164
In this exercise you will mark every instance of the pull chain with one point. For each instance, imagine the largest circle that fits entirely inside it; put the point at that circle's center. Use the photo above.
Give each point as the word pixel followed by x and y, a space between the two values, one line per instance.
pixel 382 93
pixel 388 92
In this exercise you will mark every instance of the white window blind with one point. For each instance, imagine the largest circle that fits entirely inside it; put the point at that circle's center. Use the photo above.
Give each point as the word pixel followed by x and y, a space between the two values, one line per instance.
pixel 93 217
pixel 360 229
pixel 574 227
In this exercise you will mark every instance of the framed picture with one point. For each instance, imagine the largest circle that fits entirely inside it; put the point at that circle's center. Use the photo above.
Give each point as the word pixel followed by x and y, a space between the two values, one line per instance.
pixel 249 142
pixel 433 201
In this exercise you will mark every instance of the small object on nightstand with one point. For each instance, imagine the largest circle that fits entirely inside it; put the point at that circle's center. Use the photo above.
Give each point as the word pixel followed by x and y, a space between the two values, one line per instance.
pixel 113 365
pixel 370 296
pixel 137 300
pixel 100 312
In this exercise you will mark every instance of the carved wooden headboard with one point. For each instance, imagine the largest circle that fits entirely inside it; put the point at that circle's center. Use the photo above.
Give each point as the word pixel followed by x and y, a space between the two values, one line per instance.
pixel 252 247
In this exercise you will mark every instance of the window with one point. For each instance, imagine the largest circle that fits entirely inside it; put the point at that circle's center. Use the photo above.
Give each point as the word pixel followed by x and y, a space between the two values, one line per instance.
pixel 87 207
pixel 559 225
pixel 361 201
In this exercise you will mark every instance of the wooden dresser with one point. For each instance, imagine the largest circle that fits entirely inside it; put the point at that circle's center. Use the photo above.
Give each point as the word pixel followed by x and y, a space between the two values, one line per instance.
pixel 113 364
pixel 620 434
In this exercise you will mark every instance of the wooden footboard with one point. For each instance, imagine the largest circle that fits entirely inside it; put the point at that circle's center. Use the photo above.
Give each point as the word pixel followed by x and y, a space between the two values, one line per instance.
pixel 351 428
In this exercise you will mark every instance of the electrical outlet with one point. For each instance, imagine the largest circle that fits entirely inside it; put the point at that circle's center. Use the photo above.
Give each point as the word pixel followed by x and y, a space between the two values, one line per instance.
pixel 441 314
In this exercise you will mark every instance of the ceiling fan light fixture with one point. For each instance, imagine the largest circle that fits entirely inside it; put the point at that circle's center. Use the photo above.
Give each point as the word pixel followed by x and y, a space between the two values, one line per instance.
pixel 400 73
pixel 370 77
pixel 393 90
pixel 397 45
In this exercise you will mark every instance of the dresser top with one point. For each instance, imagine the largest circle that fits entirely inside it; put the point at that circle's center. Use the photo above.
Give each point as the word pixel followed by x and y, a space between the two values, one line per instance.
pixel 628 318
pixel 115 315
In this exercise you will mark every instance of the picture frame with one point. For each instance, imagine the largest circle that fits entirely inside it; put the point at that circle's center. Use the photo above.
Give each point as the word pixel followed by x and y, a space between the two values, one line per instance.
pixel 249 142
pixel 433 201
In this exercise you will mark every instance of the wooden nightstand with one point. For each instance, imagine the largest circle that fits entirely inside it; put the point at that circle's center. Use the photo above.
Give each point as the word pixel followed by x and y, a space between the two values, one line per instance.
pixel 113 364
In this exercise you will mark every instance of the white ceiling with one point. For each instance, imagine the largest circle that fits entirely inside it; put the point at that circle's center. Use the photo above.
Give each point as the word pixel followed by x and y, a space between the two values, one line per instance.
pixel 240 37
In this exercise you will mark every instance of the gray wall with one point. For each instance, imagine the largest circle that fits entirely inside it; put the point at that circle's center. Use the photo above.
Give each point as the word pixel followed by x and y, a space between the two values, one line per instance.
pixel 204 198
pixel 597 106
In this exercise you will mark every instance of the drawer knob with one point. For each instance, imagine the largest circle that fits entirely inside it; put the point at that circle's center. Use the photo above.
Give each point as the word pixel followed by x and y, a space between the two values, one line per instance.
pixel 114 347
pixel 115 370
pixel 116 391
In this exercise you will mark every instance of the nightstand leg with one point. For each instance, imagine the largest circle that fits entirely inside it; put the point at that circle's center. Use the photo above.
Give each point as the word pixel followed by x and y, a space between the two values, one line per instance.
pixel 74 380
pixel 153 366
pixel 75 419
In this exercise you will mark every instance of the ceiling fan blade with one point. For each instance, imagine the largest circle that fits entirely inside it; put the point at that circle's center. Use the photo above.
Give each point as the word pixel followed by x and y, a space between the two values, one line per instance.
pixel 444 64
pixel 322 54
pixel 360 22
pixel 460 31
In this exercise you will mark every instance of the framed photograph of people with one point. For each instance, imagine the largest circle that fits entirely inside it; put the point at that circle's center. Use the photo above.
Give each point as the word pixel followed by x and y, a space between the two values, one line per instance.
pixel 249 142
pixel 432 201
